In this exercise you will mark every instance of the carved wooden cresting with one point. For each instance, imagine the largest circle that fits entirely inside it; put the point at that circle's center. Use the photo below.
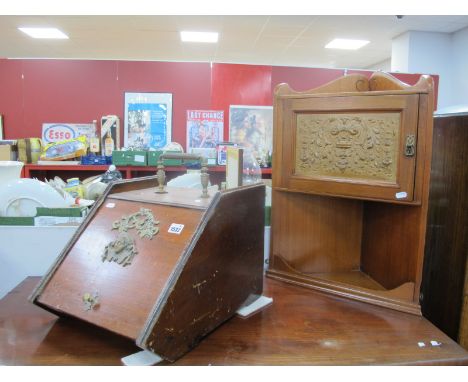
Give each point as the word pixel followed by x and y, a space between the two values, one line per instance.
pixel 349 145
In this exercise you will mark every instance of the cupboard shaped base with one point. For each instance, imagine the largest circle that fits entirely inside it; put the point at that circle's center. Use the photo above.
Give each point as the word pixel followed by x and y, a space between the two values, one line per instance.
pixel 345 284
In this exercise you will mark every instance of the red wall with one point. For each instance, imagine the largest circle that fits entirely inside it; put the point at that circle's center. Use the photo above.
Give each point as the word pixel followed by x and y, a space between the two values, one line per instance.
pixel 233 84
pixel 74 91
pixel 301 79
pixel 33 92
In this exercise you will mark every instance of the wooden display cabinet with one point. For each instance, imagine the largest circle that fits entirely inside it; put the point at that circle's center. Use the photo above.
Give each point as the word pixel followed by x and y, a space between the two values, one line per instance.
pixel 350 188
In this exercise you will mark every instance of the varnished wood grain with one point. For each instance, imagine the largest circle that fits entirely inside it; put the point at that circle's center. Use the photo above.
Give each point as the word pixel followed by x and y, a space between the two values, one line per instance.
pixel 312 237
pixel 184 197
pixel 301 327
pixel 346 284
pixel 389 243
pixel 446 251
pixel 380 81
pixel 463 330
pixel 126 294
pixel 351 83
pixel 29 335
pixel 224 270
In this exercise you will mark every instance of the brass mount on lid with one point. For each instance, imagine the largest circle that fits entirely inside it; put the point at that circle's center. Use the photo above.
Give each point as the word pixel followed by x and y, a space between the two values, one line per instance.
pixel 161 174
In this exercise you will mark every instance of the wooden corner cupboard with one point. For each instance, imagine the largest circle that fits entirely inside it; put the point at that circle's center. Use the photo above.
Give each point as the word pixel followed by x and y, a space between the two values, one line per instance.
pixel 351 170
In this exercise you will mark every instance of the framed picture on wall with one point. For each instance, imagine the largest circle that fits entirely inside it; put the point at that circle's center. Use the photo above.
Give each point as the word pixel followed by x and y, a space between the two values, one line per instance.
pixel 147 120
pixel 204 132
pixel 251 127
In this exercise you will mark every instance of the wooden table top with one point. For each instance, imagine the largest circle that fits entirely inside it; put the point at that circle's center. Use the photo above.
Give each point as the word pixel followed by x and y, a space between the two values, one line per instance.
pixel 301 327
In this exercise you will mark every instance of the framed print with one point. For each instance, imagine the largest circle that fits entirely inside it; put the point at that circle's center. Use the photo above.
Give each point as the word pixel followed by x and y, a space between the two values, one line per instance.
pixel 147 120
pixel 251 127
pixel 204 132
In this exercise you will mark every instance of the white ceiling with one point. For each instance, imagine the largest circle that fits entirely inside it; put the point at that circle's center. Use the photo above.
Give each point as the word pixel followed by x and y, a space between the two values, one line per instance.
pixel 268 40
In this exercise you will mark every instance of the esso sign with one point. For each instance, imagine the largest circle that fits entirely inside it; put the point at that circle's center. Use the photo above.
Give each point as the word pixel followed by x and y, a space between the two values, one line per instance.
pixel 55 133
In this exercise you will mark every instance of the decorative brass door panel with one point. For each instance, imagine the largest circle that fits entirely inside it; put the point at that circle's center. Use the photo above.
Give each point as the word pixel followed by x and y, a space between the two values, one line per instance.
pixel 348 145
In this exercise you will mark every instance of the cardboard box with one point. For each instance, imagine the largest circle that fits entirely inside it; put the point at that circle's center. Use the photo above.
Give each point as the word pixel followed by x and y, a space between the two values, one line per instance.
pixel 129 158
pixel 153 157
pixel 29 150
pixel 8 152
pixel 56 132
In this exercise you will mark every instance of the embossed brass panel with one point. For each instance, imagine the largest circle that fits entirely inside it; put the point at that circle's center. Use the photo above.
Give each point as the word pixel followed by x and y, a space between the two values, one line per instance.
pixel 348 145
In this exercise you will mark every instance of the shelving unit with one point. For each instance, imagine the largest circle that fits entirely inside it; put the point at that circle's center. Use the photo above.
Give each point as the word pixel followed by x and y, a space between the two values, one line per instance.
pixel 217 173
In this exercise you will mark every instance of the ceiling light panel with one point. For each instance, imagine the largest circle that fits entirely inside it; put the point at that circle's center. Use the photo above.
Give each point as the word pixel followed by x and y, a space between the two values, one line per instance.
pixel 211 37
pixel 44 33
pixel 341 43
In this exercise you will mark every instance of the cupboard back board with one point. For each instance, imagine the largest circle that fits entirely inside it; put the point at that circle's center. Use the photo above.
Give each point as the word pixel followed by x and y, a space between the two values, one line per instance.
pixel 170 289
pixel 350 184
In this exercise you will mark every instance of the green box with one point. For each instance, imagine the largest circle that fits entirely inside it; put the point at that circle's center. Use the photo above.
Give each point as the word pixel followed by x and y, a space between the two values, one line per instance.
pixel 153 157
pixel 129 158
pixel 119 158
pixel 62 212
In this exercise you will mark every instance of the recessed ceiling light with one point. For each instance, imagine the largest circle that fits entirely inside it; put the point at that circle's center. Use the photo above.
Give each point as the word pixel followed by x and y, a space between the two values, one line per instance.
pixel 342 43
pixel 44 33
pixel 199 36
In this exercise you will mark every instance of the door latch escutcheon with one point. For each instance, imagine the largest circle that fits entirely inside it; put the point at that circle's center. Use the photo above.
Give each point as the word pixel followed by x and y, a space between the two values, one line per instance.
pixel 410 145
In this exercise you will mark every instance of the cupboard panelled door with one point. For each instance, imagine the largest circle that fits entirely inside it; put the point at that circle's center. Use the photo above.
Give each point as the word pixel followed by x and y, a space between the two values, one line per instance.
pixel 355 146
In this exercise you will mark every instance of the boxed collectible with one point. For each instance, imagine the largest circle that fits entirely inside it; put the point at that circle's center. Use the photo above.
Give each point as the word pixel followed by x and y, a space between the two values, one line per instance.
pixel 8 150
pixel 129 158
pixel 29 150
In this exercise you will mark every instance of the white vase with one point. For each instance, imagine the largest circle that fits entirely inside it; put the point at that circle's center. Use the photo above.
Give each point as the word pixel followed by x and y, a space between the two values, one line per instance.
pixel 10 170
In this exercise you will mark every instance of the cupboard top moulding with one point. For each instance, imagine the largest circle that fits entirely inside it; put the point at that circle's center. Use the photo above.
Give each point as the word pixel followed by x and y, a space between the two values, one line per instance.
pixel 355 137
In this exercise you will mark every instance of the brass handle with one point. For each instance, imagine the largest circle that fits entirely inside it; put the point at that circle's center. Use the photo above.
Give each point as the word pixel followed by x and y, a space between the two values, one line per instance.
pixel 90 301
pixel 204 177
pixel 410 145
